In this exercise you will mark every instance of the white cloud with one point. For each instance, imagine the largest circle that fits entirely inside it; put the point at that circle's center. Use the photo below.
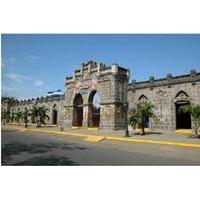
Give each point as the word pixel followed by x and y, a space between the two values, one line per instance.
pixel 38 83
pixel 8 62
pixel 17 77
pixel 10 89
pixel 32 58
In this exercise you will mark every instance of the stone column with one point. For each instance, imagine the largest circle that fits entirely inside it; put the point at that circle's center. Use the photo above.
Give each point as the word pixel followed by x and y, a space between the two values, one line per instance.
pixel 68 116
pixel 85 116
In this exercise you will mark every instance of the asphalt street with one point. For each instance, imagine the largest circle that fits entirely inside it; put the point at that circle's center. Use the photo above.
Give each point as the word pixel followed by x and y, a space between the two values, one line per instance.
pixel 43 149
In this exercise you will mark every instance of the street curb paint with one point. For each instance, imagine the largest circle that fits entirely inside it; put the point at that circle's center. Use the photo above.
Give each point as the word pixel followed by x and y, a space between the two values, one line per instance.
pixel 184 131
pixel 22 130
pixel 93 129
pixel 94 138
pixel 162 142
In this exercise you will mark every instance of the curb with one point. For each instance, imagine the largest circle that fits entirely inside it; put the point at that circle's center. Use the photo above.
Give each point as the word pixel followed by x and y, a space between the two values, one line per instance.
pixel 98 138
pixel 155 142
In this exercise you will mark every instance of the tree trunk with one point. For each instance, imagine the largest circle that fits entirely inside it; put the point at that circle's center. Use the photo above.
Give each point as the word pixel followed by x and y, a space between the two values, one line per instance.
pixel 196 129
pixel 142 129
pixel 38 122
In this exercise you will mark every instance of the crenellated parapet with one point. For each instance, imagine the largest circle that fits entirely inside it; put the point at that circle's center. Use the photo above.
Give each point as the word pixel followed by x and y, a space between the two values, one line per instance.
pixel 42 100
pixel 170 80
pixel 15 102
pixel 99 69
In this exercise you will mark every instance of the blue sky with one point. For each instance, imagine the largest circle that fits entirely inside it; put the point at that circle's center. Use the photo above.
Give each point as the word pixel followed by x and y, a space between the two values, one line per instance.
pixel 33 64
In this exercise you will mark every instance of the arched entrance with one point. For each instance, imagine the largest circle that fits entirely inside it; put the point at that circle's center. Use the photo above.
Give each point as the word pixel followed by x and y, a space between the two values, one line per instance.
pixel 141 99
pixel 78 110
pixel 94 109
pixel 183 119
pixel 54 117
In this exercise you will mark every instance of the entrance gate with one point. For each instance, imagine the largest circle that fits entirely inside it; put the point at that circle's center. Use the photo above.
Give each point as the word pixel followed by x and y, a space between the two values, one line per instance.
pixel 111 83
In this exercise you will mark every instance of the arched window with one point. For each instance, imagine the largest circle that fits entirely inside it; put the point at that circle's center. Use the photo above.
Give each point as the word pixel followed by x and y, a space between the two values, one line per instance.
pixel 182 95
pixel 143 98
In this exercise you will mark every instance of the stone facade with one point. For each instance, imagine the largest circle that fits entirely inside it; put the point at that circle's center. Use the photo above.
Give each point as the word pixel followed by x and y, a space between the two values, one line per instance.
pixel 116 97
pixel 52 103
pixel 165 94
pixel 111 82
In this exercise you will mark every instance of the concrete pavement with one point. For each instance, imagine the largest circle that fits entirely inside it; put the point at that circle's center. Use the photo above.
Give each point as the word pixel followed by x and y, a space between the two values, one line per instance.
pixel 41 148
pixel 173 139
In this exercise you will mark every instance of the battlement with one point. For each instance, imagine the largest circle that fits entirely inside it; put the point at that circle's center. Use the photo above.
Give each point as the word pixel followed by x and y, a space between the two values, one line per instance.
pixel 192 78
pixel 99 68
pixel 16 102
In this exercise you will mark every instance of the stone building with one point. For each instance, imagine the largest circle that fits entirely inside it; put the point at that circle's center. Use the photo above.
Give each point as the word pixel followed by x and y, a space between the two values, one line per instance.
pixel 54 104
pixel 168 95
pixel 99 96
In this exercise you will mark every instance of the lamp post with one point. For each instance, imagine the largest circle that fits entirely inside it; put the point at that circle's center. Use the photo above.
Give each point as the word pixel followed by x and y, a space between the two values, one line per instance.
pixel 126 122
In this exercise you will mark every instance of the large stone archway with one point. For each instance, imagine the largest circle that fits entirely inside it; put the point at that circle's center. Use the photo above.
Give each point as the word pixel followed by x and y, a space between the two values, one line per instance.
pixel 111 82
pixel 94 109
pixel 78 110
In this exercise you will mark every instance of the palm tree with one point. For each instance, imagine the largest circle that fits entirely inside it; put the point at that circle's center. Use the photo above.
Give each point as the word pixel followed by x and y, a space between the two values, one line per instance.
pixel 39 115
pixel 34 114
pixel 12 117
pixel 7 116
pixel 139 115
pixel 3 116
pixel 194 110
pixel 25 116
pixel 18 116
pixel 43 114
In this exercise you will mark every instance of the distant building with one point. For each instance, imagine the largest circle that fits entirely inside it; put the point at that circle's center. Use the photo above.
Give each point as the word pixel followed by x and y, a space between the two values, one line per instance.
pixel 95 84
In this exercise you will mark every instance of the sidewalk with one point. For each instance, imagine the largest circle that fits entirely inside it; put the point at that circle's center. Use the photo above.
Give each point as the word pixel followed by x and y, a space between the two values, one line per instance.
pixel 174 139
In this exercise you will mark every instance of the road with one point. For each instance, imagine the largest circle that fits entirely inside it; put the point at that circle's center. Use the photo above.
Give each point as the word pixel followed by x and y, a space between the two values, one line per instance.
pixel 42 149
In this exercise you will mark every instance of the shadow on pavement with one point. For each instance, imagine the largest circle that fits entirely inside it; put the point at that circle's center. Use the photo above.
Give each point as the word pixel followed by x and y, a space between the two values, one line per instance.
pixel 194 137
pixel 9 131
pixel 148 133
pixel 15 148
pixel 46 161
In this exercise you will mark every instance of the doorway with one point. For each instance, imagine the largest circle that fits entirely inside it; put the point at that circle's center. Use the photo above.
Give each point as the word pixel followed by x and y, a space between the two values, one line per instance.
pixel 94 109
pixel 183 119
pixel 54 117
pixel 78 110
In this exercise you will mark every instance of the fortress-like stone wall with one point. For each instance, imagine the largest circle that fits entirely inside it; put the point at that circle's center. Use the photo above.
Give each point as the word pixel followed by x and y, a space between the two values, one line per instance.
pixel 164 94
pixel 116 96
pixel 51 103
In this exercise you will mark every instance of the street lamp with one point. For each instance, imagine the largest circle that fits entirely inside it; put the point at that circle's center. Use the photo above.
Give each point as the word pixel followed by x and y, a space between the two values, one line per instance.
pixel 126 122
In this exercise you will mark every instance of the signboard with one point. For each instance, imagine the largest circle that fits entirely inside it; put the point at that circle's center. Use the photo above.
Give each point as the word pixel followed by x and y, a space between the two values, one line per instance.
pixel 85 87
